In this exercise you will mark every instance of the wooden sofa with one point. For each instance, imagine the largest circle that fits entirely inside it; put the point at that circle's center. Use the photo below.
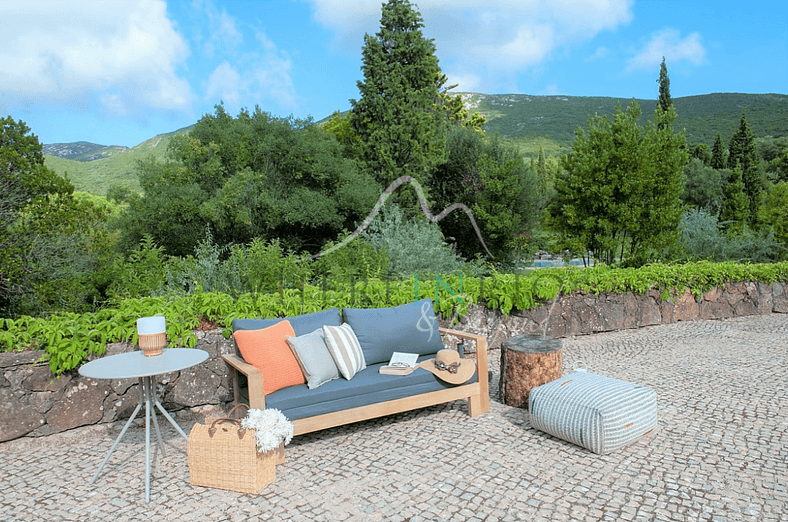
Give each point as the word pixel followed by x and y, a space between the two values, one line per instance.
pixel 247 382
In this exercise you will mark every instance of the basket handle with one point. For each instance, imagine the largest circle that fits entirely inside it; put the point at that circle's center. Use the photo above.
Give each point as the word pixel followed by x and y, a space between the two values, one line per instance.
pixel 212 430
pixel 230 413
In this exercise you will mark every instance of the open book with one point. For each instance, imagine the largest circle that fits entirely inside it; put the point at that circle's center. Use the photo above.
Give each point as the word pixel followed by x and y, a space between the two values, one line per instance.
pixel 400 364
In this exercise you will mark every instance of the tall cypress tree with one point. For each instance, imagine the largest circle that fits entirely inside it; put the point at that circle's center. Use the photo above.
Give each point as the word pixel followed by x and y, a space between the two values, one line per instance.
pixel 397 117
pixel 665 101
pixel 742 154
pixel 718 154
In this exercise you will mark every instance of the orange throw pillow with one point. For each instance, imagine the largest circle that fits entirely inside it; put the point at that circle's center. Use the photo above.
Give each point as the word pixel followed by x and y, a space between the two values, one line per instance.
pixel 267 350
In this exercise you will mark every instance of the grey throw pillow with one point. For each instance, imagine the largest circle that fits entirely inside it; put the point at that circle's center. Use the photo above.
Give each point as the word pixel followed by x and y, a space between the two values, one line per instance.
pixel 312 354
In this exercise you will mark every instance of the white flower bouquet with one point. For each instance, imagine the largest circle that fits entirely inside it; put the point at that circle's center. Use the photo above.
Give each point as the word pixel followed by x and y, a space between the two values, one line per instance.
pixel 270 426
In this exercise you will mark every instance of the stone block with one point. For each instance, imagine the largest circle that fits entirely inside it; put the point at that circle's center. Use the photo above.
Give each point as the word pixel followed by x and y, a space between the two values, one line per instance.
pixel 763 298
pixel 12 360
pixel 39 379
pixel 120 407
pixel 718 309
pixel 649 313
pixel 42 401
pixel 686 308
pixel 734 293
pixel 667 311
pixel 16 419
pixel 744 307
pixel 81 404
pixel 780 304
pixel 196 386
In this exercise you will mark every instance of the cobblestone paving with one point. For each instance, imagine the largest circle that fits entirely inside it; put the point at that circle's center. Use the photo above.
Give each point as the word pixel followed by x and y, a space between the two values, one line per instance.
pixel 720 452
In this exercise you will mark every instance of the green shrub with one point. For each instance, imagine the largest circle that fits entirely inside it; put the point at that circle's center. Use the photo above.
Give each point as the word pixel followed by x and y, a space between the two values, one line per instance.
pixel 701 235
pixel 265 266
pixel 702 238
pixel 358 258
pixel 141 274
pixel 413 245
pixel 774 213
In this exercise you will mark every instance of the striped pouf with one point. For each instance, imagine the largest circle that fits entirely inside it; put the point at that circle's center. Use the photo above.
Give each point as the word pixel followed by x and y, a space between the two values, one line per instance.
pixel 596 412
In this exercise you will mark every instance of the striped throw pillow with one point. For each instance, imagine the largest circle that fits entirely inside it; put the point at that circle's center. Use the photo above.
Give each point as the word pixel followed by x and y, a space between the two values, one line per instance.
pixel 345 349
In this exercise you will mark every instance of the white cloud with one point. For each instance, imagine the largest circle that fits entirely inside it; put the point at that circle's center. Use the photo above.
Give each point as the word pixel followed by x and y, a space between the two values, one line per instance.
pixel 124 54
pixel 259 76
pixel 491 39
pixel 223 31
pixel 668 43
pixel 464 82
pixel 224 84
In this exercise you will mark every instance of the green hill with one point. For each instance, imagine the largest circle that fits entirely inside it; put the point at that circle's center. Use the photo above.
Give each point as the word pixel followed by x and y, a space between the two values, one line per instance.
pixel 94 168
pixel 531 122
pixel 551 121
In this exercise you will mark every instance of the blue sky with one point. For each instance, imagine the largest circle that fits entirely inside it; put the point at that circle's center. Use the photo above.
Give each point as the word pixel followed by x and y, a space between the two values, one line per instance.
pixel 119 72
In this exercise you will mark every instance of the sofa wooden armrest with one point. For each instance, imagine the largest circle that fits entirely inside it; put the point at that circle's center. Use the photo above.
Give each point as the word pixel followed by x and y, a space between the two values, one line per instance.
pixel 254 378
pixel 482 405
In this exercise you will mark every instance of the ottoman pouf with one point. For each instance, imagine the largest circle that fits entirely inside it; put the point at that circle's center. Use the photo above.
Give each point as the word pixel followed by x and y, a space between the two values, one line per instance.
pixel 596 412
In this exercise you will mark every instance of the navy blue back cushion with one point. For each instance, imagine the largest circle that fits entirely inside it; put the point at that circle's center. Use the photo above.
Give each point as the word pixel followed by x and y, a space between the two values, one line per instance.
pixel 411 327
pixel 302 324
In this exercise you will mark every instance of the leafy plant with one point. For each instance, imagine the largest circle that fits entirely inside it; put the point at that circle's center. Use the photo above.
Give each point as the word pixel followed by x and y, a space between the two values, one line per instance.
pixel 68 338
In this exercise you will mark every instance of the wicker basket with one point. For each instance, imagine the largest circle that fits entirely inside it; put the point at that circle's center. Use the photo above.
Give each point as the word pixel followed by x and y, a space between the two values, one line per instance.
pixel 223 455
pixel 152 344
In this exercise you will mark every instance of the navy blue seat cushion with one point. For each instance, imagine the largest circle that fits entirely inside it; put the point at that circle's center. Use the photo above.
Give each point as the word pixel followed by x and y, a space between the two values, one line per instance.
pixel 302 324
pixel 411 327
pixel 367 387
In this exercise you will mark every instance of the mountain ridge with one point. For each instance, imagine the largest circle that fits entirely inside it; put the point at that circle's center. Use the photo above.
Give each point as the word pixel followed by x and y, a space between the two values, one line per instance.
pixel 532 122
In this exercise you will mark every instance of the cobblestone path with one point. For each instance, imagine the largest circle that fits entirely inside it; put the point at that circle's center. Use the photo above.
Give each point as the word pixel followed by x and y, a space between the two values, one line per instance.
pixel 720 452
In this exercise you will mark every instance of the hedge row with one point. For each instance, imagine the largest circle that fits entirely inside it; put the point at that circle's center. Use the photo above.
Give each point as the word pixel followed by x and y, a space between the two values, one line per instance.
pixel 68 339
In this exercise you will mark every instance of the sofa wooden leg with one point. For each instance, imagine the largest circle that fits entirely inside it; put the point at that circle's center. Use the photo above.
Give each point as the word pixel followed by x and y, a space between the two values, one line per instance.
pixel 475 406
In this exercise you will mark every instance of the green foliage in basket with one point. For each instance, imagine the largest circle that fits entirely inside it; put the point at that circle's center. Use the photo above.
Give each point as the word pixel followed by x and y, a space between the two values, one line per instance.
pixel 67 339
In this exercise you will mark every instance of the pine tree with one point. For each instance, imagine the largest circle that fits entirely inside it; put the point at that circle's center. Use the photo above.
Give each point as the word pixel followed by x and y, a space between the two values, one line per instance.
pixel 735 207
pixel 743 154
pixel 397 119
pixel 718 154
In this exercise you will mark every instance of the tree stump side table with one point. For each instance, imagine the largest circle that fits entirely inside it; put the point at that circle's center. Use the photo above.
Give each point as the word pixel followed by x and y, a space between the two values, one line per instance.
pixel 528 361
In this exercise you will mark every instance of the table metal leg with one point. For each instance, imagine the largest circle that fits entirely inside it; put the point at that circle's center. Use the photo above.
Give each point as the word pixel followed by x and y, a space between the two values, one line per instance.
pixel 147 395
pixel 122 432
pixel 147 439
pixel 172 421
pixel 155 400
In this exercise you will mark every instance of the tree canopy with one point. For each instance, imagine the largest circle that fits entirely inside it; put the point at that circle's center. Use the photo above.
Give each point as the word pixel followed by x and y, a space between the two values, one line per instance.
pixel 396 116
pixel 619 198
pixel 743 154
pixel 50 242
pixel 494 181
pixel 254 176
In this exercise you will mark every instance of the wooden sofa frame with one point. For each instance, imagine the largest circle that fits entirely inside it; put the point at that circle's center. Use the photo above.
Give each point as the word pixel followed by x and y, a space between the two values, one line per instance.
pixel 477 393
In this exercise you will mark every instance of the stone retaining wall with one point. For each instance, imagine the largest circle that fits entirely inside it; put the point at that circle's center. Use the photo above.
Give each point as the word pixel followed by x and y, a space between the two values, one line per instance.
pixel 33 403
pixel 582 313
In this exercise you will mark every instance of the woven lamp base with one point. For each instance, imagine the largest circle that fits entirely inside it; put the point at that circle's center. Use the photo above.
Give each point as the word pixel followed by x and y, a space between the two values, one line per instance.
pixel 152 344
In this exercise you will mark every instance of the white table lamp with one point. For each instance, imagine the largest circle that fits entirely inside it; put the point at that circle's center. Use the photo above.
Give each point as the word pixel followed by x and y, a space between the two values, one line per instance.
pixel 152 334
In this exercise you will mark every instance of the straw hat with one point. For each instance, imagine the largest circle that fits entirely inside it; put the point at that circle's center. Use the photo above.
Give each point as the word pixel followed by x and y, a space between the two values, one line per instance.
pixel 449 367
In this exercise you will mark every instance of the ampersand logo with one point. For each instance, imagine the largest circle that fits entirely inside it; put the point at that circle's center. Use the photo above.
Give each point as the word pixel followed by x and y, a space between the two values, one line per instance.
pixel 428 319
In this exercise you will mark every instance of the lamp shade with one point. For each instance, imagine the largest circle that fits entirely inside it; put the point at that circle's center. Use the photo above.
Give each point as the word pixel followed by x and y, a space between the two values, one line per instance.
pixel 151 325
pixel 152 334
